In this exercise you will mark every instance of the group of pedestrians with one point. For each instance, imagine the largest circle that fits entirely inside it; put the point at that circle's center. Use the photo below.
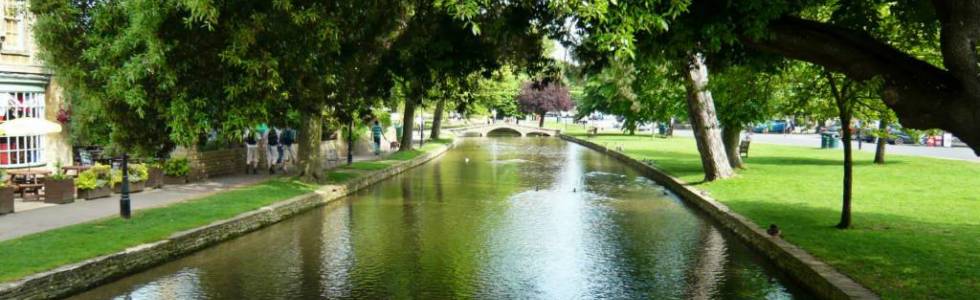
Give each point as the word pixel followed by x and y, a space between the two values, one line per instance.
pixel 276 143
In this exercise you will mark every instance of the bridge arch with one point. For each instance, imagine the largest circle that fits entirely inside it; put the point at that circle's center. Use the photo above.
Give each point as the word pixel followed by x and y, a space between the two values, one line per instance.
pixel 497 129
pixel 503 131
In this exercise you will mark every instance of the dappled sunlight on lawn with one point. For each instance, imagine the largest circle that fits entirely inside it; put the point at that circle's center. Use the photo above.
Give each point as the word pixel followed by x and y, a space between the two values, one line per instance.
pixel 916 228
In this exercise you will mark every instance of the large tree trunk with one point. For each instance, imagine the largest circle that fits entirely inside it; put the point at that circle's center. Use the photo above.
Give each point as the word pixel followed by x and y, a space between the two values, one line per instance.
pixel 408 124
pixel 308 160
pixel 731 137
pixel 882 141
pixel 911 86
pixel 437 119
pixel 704 122
pixel 541 120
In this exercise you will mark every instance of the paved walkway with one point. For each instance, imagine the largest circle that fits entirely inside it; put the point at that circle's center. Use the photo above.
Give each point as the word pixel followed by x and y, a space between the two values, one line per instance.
pixel 44 217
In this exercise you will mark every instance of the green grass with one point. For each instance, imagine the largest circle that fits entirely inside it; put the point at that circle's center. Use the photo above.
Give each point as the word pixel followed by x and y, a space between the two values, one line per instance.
pixel 50 249
pixel 339 177
pixel 367 165
pixel 427 147
pixel 916 220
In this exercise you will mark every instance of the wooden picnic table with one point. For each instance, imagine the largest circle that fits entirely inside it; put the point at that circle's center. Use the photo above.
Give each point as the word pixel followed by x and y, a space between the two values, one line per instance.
pixel 28 180
pixel 74 169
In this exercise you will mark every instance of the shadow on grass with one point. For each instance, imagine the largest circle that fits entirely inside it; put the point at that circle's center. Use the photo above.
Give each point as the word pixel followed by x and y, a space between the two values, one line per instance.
pixel 789 161
pixel 897 256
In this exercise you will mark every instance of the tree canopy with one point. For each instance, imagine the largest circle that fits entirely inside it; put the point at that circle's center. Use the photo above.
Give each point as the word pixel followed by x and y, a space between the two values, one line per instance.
pixel 540 97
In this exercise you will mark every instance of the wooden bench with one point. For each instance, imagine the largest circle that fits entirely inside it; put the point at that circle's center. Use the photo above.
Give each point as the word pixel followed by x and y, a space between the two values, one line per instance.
pixel 24 188
pixel 592 131
pixel 743 148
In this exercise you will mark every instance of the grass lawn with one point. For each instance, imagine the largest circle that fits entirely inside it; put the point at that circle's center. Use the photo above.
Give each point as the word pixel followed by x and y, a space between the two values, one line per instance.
pixel 50 249
pixel 356 169
pixel 916 220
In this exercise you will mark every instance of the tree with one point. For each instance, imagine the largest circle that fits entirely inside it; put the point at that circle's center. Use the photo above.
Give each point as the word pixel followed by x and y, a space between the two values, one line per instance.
pixel 197 66
pixel 440 44
pixel 851 37
pixel 704 122
pixel 744 97
pixel 843 92
pixel 540 97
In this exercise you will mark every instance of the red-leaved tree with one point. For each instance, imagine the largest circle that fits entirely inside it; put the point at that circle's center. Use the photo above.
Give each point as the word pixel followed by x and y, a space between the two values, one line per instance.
pixel 538 98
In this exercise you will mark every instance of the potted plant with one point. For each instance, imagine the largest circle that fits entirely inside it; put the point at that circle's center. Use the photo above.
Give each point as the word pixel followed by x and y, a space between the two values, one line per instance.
pixel 137 179
pixel 6 194
pixel 93 183
pixel 154 177
pixel 59 188
pixel 175 170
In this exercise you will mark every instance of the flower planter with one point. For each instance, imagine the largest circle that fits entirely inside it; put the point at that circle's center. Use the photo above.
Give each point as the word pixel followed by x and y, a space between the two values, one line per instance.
pixel 134 187
pixel 99 192
pixel 167 179
pixel 59 191
pixel 155 178
pixel 6 200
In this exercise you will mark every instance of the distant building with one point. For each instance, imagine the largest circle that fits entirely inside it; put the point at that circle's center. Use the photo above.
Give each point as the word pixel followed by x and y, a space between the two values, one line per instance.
pixel 27 89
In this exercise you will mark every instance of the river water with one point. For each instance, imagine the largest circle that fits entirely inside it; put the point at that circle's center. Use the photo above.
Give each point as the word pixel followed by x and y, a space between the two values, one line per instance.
pixel 495 218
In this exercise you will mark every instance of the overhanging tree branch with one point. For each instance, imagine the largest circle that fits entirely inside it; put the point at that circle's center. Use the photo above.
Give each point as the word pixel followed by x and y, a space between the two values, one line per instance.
pixel 922 95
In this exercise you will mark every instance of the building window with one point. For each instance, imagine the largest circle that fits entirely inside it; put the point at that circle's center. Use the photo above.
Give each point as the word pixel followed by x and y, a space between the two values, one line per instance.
pixel 13 25
pixel 21 151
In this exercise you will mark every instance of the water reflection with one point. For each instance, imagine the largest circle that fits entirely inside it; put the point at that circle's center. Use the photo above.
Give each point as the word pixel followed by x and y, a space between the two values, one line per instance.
pixel 495 218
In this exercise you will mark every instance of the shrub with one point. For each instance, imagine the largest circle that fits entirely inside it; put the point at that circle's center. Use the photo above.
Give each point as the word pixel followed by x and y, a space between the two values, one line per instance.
pixel 88 180
pixel 137 173
pixel 3 178
pixel 176 167
pixel 101 170
pixel 95 177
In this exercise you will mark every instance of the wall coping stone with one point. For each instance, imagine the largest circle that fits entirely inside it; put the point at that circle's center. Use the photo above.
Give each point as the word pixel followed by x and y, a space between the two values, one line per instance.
pixel 77 277
pixel 821 278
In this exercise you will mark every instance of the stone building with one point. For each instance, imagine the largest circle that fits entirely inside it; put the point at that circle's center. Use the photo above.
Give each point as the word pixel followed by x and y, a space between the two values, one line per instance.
pixel 27 89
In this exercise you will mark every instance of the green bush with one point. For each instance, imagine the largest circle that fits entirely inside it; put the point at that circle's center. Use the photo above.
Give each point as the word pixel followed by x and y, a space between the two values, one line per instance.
pixel 137 173
pixel 176 167
pixel 95 177
pixel 3 178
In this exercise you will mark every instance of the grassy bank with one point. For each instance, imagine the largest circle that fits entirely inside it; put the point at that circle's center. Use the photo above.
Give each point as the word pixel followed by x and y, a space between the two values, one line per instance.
pixel 50 249
pixel 917 220
pixel 354 170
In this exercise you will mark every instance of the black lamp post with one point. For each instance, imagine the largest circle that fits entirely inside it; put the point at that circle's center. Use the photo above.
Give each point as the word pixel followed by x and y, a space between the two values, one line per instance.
pixel 350 142
pixel 124 209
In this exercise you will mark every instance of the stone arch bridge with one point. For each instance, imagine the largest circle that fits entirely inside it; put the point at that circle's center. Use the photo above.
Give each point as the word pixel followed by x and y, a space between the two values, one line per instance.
pixel 483 130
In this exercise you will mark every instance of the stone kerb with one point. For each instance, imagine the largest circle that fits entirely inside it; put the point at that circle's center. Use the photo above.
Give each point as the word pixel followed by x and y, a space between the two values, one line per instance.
pixel 70 279
pixel 819 277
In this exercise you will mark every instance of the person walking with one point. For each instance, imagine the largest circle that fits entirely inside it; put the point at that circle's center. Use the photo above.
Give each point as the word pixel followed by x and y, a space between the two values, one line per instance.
pixel 273 149
pixel 377 133
pixel 288 138
pixel 251 152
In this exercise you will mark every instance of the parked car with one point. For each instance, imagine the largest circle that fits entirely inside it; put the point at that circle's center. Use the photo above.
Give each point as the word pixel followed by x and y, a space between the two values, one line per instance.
pixel 774 126
pixel 895 137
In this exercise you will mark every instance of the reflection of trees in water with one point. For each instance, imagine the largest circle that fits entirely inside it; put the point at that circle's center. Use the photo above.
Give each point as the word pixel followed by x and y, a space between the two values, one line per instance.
pixel 338 252
pixel 310 252
pixel 708 274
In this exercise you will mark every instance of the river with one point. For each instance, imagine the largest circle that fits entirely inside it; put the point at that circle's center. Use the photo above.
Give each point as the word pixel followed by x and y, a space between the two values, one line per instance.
pixel 495 218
